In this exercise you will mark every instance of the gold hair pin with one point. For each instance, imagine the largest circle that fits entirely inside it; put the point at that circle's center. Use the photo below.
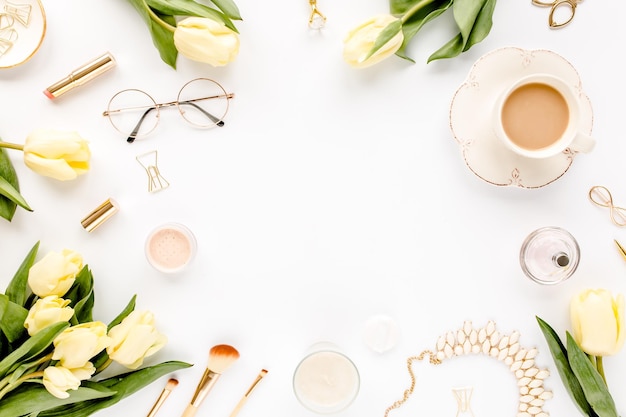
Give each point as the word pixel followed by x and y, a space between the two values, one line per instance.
pixel 601 196
pixel 316 20
pixel 149 161
pixel 247 394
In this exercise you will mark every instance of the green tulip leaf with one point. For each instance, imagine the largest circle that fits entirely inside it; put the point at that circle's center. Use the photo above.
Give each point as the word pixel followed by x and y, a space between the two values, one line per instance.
pixel 82 296
pixel 12 318
pixel 31 348
pixel 162 37
pixel 190 8
pixel 417 20
pixel 10 195
pixel 32 400
pixel 592 383
pixel 385 36
pixel 569 379
pixel 478 28
pixel 465 15
pixel 130 307
pixel 122 386
pixel 18 289
pixel 229 8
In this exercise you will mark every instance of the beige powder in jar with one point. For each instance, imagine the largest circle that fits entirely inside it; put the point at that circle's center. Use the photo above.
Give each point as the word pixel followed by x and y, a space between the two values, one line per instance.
pixel 170 247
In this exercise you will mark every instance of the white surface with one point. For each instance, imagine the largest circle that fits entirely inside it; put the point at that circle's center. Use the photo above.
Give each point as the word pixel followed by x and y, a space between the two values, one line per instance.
pixel 331 195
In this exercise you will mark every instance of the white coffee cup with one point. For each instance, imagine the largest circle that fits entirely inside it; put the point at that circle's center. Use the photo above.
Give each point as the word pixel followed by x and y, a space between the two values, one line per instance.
pixel 539 116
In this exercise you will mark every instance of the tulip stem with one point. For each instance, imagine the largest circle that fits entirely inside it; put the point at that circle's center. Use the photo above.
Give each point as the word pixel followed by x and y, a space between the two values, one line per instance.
pixel 104 366
pixel 600 368
pixel 11 146
pixel 416 8
pixel 157 19
pixel 17 383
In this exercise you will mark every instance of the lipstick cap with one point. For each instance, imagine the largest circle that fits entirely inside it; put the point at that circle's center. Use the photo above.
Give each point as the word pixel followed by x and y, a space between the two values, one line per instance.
pixel 81 75
pixel 101 214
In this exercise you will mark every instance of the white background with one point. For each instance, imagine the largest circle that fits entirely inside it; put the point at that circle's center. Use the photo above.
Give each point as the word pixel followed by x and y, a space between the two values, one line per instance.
pixel 331 195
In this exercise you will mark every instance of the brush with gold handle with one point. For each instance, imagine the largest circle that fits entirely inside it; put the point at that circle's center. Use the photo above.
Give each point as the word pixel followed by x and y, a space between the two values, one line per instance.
pixel 221 357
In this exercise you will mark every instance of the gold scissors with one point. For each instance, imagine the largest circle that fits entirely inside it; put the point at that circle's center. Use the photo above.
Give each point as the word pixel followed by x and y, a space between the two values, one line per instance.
pixel 556 5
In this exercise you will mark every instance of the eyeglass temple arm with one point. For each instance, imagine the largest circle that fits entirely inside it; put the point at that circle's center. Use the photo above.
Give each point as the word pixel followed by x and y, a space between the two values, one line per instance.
pixel 133 134
pixel 214 119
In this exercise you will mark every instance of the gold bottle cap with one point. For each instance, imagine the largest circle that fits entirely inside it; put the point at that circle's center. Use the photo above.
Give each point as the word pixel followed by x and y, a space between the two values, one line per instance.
pixel 101 214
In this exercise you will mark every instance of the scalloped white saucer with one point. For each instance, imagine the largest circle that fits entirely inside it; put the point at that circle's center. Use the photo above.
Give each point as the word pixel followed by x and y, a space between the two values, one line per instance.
pixel 25 40
pixel 471 112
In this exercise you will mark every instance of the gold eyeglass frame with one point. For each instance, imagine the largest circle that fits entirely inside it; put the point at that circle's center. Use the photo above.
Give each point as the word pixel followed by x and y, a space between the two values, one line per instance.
pixel 217 120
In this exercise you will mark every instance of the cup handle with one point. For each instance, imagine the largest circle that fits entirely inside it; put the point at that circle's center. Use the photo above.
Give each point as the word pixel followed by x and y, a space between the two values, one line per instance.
pixel 583 143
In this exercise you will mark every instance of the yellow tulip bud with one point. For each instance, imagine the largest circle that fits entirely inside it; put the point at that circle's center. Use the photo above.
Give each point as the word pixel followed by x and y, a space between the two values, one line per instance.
pixel 76 345
pixel 134 339
pixel 58 380
pixel 47 311
pixel 206 40
pixel 598 322
pixel 55 273
pixel 360 41
pixel 59 155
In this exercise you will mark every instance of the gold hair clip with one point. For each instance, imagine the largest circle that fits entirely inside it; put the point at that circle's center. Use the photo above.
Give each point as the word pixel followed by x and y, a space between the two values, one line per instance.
pixel 316 20
pixel 554 6
pixel 463 397
pixel 21 12
pixel 156 181
pixel 601 196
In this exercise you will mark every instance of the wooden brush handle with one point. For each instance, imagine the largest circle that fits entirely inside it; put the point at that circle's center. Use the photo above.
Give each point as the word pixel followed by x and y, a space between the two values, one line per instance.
pixel 190 411
pixel 238 407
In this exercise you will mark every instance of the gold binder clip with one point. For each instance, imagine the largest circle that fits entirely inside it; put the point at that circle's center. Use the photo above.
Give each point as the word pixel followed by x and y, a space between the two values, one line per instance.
pixel 21 12
pixel 148 161
pixel 316 20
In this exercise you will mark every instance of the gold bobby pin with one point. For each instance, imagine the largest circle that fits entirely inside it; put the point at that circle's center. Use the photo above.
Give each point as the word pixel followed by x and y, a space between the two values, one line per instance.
pixel 171 384
pixel 601 196
pixel 20 11
pixel 247 394
pixel 316 20
pixel 149 161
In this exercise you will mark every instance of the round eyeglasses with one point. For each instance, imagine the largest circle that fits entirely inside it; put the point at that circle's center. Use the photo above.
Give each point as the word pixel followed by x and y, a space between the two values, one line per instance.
pixel 201 102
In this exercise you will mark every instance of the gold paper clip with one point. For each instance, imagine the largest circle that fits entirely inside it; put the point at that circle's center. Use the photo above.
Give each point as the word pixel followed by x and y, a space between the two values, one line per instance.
pixel 21 12
pixel 148 161
pixel 316 20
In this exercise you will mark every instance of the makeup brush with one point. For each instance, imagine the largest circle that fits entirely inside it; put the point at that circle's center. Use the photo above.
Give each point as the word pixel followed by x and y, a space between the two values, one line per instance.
pixel 220 358
pixel 247 394
pixel 171 384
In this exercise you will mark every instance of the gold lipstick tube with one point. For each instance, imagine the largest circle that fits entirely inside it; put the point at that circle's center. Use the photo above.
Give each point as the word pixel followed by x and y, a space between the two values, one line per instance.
pixel 81 75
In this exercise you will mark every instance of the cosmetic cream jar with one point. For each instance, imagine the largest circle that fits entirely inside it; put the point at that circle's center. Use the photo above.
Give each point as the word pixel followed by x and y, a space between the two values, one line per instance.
pixel 170 247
